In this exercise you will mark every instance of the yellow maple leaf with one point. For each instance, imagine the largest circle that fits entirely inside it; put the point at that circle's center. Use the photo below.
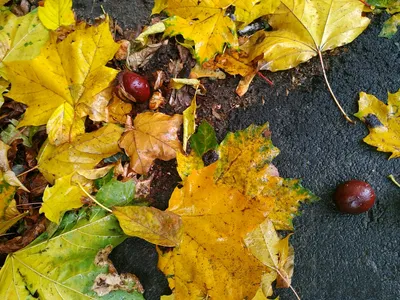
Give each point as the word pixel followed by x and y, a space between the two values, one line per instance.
pixel 20 38
pixel 83 154
pixel 56 13
pixel 304 29
pixel 66 82
pixel 61 197
pixel 207 24
pixel 151 224
pixel 153 135
pixel 383 122
pixel 118 110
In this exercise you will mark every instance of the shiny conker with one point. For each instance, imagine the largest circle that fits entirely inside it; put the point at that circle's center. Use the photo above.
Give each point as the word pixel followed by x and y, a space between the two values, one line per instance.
pixel 354 197
pixel 133 87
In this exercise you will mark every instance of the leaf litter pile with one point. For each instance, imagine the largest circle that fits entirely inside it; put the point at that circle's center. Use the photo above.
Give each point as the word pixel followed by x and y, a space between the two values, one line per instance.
pixel 78 146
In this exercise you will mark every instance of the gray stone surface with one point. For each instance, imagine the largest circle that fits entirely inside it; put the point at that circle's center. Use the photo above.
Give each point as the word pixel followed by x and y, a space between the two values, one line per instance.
pixel 337 256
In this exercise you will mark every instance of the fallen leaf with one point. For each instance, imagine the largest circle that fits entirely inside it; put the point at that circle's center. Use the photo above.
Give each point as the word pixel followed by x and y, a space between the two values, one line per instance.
pixel 208 24
pixel 204 139
pixel 64 84
pixel 189 122
pixel 151 224
pixel 389 28
pixel 200 72
pixel 20 38
pixel 6 173
pixel 233 63
pixel 154 135
pixel 4 84
pixel 153 29
pixel 118 110
pixel 188 163
pixel 83 154
pixel 61 197
pixel 61 266
pixel 382 121
pixel 9 214
pixel 304 29
pixel 116 193
pixel 56 13
pixel 140 58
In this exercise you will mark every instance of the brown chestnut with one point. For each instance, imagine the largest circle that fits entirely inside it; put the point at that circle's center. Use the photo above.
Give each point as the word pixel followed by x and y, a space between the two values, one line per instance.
pixel 354 197
pixel 133 87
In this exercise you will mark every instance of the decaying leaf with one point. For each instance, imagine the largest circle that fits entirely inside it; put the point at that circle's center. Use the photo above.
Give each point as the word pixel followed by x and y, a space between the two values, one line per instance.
pixel 199 72
pixel 151 224
pixel 204 139
pixel 56 13
pixel 20 38
pixel 118 110
pixel 188 163
pixel 207 23
pixel 389 28
pixel 383 122
pixel 4 84
pixel 83 154
pixel 154 135
pixel 6 174
pixel 52 266
pixel 189 122
pixel 304 29
pixel 9 214
pixel 61 197
pixel 218 215
pixel 64 84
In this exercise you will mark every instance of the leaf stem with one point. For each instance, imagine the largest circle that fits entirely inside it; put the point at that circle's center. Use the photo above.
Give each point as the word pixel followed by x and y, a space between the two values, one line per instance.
pixel 391 177
pixel 265 78
pixel 283 277
pixel 94 200
pixel 330 89
pixel 27 171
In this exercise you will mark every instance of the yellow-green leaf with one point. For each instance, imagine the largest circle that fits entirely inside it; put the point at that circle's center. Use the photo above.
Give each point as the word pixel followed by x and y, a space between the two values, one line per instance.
pixel 246 11
pixel 383 122
pixel 189 122
pixel 4 84
pixel 83 154
pixel 188 163
pixel 154 135
pixel 56 13
pixel 20 38
pixel 155 226
pixel 61 197
pixel 302 29
pixel 389 28
pixel 72 71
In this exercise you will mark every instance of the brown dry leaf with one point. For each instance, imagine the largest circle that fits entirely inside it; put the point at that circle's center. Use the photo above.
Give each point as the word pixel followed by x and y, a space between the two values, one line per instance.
pixel 234 63
pixel 118 110
pixel 153 136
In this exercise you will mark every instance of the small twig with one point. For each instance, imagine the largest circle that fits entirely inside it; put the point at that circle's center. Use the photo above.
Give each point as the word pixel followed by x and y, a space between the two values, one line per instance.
pixel 265 78
pixel 27 171
pixel 391 177
pixel 287 282
pixel 94 200
pixel 330 89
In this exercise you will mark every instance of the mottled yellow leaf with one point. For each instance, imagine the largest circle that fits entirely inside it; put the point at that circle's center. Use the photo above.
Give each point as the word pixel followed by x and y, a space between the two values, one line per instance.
pixel 188 163
pixel 64 126
pixel 20 38
pixel 302 29
pixel 383 122
pixel 211 260
pixel 72 71
pixel 154 135
pixel 189 122
pixel 208 24
pixel 151 224
pixel 83 154
pixel 61 197
pixel 56 13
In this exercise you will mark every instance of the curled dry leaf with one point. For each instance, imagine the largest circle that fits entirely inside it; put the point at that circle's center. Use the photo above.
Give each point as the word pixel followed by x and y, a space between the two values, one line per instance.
pixel 141 58
pixel 383 122
pixel 157 100
pixel 123 51
pixel 153 136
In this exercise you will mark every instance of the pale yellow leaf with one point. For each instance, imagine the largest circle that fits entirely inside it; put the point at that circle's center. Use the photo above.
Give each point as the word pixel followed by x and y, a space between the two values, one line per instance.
pixel 64 126
pixel 154 135
pixel 83 154
pixel 56 13
pixel 304 28
pixel 61 197
pixel 189 122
